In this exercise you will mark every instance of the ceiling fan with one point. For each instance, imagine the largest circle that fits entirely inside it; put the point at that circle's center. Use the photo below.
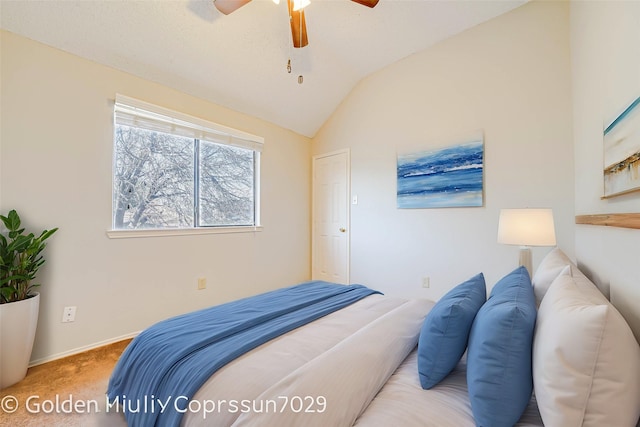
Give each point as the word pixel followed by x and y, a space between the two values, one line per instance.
pixel 296 15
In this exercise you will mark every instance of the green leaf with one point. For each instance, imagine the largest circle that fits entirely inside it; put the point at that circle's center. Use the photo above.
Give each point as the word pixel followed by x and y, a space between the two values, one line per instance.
pixel 11 221
pixel 7 293
pixel 46 234
pixel 20 243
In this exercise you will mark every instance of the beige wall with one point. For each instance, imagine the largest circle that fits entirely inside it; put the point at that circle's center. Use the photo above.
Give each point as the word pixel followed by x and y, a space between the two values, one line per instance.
pixel 605 47
pixel 509 77
pixel 56 151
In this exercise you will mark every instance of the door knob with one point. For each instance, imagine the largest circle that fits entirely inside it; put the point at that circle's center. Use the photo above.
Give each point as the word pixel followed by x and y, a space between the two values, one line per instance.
pixel 342 229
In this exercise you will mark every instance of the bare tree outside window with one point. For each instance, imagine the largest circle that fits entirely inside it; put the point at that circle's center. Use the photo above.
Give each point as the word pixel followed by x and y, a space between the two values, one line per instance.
pixel 226 185
pixel 155 185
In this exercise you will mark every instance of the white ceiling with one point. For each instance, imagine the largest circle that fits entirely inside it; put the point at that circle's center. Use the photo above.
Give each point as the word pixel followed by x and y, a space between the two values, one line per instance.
pixel 239 60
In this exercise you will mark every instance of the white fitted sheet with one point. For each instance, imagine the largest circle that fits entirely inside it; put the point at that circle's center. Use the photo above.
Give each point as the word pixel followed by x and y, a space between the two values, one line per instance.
pixel 403 402
pixel 361 359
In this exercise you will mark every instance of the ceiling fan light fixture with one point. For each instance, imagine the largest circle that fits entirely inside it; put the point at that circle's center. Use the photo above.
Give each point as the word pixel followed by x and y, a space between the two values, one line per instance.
pixel 228 6
pixel 300 4
pixel 296 15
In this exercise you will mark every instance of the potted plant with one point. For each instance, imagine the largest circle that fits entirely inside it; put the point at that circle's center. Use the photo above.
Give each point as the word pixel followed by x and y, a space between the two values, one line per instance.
pixel 20 259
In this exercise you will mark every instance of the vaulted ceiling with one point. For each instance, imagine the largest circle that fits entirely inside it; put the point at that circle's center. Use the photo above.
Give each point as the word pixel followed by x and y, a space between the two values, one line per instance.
pixel 240 60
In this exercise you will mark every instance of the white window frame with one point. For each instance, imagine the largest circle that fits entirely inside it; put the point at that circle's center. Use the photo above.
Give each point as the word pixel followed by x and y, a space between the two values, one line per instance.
pixel 140 114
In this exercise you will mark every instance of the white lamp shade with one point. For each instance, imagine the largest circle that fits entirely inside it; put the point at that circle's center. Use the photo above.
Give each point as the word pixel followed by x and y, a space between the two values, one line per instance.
pixel 526 227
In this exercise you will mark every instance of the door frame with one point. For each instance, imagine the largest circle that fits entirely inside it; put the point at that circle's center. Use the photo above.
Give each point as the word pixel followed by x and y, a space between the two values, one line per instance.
pixel 347 152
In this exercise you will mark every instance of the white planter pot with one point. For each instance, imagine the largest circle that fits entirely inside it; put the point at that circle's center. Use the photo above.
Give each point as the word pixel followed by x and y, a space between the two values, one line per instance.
pixel 18 321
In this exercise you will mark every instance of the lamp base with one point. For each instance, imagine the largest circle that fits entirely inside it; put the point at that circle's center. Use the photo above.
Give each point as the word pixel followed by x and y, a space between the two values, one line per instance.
pixel 525 259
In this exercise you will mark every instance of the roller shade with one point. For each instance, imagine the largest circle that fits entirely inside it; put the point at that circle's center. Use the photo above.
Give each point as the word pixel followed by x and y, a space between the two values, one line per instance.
pixel 141 114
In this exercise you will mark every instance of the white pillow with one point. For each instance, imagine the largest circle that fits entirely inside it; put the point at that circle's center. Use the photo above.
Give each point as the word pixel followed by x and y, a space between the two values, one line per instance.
pixel 586 361
pixel 550 267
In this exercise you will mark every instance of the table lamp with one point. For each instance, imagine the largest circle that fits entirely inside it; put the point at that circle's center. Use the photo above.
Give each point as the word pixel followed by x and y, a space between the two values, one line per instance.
pixel 525 228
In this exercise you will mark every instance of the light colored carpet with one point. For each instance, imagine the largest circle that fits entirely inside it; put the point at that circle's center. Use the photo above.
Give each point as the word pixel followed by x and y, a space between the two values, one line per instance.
pixel 65 392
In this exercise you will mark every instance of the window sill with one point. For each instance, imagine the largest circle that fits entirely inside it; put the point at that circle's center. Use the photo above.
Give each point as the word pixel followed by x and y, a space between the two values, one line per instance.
pixel 126 234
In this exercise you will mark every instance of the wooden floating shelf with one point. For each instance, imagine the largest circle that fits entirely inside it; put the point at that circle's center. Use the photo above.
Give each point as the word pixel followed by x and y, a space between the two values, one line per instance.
pixel 624 220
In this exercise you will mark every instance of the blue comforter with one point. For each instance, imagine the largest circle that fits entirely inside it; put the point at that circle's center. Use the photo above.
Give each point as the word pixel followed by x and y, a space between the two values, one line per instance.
pixel 166 364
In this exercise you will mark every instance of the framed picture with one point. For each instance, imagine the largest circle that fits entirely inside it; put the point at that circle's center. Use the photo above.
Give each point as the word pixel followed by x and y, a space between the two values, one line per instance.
pixel 442 178
pixel 622 152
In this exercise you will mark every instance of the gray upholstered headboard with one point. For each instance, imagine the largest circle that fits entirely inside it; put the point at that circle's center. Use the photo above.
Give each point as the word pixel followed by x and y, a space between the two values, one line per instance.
pixel 626 304
pixel 630 310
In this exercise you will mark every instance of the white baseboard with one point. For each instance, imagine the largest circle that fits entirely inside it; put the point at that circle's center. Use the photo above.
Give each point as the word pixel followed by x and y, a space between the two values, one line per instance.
pixel 82 349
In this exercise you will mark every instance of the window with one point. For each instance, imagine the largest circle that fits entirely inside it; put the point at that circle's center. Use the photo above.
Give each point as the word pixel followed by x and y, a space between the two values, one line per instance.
pixel 174 171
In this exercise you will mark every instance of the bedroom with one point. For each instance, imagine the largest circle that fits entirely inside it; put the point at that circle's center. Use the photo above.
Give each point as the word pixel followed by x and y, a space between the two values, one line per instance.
pixel 539 81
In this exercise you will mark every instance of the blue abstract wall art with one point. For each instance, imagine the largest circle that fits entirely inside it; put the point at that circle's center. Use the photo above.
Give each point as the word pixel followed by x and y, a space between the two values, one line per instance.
pixel 622 152
pixel 442 178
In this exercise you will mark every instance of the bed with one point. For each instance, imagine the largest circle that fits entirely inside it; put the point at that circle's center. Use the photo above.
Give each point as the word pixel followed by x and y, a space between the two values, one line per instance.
pixel 359 360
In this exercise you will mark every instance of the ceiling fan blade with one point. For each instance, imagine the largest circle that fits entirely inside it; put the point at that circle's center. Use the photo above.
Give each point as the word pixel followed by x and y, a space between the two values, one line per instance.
pixel 228 6
pixel 298 26
pixel 368 3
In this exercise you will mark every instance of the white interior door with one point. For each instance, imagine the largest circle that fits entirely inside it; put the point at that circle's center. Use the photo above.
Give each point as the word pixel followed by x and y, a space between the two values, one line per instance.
pixel 330 236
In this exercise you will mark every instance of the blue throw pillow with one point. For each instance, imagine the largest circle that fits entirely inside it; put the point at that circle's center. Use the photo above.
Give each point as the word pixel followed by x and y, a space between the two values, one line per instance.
pixel 445 331
pixel 499 374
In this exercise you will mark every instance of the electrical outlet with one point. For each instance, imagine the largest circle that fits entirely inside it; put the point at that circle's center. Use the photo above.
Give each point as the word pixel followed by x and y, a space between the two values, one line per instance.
pixel 69 314
pixel 425 282
pixel 202 283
